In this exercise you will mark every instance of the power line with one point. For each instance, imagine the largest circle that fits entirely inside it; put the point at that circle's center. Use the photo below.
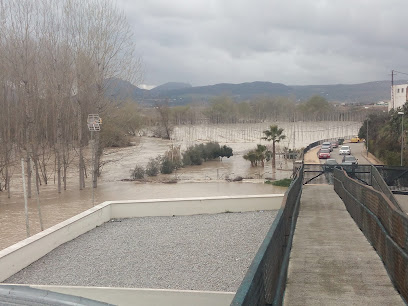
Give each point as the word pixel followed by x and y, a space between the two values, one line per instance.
pixel 400 72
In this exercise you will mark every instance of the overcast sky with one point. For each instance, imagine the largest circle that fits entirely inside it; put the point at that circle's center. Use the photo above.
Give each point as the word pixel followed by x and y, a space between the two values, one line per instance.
pixel 295 42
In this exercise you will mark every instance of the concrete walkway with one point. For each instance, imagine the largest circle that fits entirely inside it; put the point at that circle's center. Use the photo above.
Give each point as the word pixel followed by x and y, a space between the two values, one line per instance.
pixel 331 261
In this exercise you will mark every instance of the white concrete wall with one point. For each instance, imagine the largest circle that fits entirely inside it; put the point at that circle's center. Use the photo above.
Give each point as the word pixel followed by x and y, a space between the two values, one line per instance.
pixel 25 252
pixel 195 206
pixel 400 96
pixel 146 297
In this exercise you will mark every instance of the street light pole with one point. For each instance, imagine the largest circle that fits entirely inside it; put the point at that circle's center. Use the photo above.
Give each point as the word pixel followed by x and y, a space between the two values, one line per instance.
pixel 94 125
pixel 402 135
pixel 367 137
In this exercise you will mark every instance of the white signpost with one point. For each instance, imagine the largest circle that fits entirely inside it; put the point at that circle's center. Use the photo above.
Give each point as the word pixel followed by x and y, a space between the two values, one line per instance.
pixel 94 125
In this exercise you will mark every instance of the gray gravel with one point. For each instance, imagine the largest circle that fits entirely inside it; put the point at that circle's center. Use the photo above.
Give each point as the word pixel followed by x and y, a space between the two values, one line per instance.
pixel 201 252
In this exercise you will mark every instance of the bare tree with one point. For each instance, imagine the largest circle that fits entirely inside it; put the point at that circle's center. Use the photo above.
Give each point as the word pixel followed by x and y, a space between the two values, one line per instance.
pixel 165 126
pixel 55 58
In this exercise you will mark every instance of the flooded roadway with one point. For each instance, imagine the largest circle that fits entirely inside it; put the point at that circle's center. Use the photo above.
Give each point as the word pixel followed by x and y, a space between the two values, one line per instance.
pixel 207 179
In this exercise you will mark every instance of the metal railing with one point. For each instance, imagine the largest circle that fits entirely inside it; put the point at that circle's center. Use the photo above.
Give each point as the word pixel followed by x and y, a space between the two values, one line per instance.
pixel 395 177
pixel 378 183
pixel 265 280
pixel 383 224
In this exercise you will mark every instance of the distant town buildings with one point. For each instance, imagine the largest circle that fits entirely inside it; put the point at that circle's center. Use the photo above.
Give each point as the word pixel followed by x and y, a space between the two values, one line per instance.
pixel 398 96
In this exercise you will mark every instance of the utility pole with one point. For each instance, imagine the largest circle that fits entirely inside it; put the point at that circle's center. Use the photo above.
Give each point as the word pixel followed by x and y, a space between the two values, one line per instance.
pixel 392 89
pixel 402 136
pixel 367 136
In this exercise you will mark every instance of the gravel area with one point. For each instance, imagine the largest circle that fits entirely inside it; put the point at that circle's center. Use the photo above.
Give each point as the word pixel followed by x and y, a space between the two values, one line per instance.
pixel 201 252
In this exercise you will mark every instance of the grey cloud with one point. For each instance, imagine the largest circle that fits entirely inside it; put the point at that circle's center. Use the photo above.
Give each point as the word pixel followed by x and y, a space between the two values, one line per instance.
pixel 292 41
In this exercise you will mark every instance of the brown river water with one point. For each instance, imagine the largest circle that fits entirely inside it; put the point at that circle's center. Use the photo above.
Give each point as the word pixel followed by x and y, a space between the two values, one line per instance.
pixel 208 179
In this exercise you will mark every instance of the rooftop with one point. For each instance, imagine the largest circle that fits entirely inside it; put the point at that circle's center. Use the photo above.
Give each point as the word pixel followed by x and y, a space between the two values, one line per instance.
pixel 199 252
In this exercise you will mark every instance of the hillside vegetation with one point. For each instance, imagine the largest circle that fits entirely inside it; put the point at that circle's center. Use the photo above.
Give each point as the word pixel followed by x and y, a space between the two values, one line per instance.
pixel 384 136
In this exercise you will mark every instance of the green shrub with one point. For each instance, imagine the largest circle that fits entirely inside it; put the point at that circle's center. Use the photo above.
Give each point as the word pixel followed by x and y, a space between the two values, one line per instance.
pixel 281 183
pixel 138 173
pixel 195 155
pixel 153 167
pixel 391 158
pixel 225 152
pixel 192 156
pixel 167 166
pixel 210 150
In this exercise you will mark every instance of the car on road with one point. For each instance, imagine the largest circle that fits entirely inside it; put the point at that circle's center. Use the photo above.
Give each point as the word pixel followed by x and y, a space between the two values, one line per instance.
pixel 327 145
pixel 330 164
pixel 345 150
pixel 335 144
pixel 349 160
pixel 356 139
pixel 324 153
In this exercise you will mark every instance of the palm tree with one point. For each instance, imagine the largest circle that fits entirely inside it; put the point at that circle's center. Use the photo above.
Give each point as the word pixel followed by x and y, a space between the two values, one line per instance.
pixel 275 135
pixel 262 154
pixel 251 156
pixel 258 155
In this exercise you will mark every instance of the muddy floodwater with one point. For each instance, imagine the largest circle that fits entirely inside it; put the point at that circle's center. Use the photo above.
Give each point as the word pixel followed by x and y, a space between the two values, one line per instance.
pixel 208 179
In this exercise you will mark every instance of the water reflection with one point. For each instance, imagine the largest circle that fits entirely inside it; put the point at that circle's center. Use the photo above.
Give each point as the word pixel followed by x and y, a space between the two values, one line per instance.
pixel 205 180
pixel 57 208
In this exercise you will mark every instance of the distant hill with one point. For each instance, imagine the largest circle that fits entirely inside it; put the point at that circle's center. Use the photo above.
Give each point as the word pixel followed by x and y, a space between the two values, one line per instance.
pixel 120 89
pixel 348 93
pixel 169 86
pixel 183 93
pixel 243 90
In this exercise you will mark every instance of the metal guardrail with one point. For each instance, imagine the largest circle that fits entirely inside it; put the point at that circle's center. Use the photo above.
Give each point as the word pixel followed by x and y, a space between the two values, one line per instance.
pixel 383 224
pixel 396 177
pixel 323 174
pixel 265 280
pixel 378 183
pixel 319 142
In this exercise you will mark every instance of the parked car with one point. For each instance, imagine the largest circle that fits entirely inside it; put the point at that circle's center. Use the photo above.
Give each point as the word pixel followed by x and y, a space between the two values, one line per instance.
pixel 335 144
pixel 344 150
pixel 327 145
pixel 349 160
pixel 355 139
pixel 324 153
pixel 330 164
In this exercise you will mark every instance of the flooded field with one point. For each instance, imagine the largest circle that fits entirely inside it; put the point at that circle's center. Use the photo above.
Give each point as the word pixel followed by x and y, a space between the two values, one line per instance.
pixel 209 179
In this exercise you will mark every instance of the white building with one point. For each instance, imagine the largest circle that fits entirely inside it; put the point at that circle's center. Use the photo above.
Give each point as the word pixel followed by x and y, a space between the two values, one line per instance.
pixel 399 95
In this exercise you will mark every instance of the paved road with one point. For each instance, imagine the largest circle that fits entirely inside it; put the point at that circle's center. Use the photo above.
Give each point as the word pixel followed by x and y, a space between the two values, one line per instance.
pixel 358 150
pixel 331 262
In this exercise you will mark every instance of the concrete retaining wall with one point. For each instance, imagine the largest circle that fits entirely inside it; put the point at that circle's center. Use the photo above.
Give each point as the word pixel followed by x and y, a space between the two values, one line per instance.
pixel 25 252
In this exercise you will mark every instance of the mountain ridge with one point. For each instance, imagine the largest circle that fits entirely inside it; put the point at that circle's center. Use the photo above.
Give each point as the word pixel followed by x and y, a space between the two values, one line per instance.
pixel 183 93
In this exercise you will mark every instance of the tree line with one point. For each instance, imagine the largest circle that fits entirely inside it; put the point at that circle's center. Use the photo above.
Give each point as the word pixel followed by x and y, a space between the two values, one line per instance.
pixel 224 110
pixel 55 58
